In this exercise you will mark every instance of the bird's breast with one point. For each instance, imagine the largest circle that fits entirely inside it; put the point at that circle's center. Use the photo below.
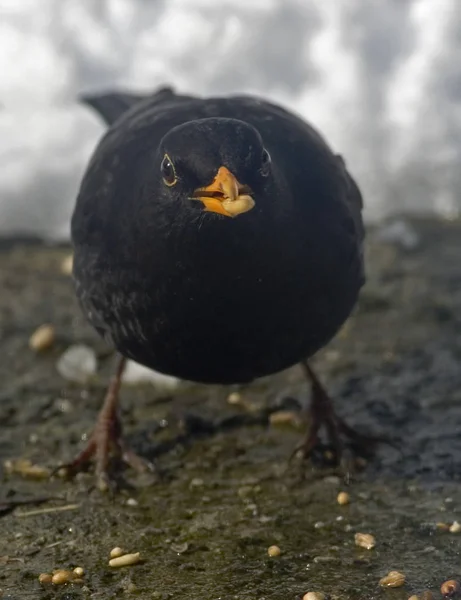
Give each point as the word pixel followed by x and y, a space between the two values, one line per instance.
pixel 227 313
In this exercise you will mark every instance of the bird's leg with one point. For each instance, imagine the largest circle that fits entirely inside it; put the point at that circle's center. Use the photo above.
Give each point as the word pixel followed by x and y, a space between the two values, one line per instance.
pixel 107 435
pixel 341 437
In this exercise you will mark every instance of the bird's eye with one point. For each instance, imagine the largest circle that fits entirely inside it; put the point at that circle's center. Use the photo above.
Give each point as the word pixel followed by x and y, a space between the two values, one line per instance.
pixel 168 171
pixel 265 161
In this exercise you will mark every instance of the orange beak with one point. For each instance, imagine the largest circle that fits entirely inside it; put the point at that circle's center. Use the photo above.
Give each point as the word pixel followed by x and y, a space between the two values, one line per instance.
pixel 225 195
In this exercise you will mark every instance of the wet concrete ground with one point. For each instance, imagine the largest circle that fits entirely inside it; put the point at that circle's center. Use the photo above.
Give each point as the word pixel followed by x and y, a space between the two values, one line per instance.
pixel 225 491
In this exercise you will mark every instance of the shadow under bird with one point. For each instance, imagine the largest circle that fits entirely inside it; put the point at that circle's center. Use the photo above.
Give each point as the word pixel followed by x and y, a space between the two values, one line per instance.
pixel 217 240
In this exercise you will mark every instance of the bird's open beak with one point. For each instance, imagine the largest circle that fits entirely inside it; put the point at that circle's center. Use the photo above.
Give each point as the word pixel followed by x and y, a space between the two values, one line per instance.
pixel 225 195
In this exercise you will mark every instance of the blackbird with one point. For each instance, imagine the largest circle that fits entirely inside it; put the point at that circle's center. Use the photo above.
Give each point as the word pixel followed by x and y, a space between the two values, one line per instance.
pixel 217 240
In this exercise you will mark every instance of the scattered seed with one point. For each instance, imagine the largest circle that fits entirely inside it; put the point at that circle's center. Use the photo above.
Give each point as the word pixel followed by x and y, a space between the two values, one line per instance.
pixel 79 571
pixel 443 526
pixel 393 579
pixel 274 551
pixel 42 338
pixel 44 578
pixel 125 560
pixel 26 469
pixel 343 498
pixel 116 552
pixel 450 588
pixel 285 417
pixel 62 576
pixel 455 527
pixel 234 398
pixel 427 596
pixel 67 264
pixel 413 598
pixel 365 540
pixel 314 596
pixel 78 581
pixel 132 502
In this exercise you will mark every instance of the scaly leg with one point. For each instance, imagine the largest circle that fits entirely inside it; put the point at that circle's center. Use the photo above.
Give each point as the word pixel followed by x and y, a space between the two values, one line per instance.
pixel 107 435
pixel 341 436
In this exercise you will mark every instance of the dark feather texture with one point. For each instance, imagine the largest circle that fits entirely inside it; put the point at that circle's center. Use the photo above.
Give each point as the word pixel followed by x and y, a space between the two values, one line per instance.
pixel 195 294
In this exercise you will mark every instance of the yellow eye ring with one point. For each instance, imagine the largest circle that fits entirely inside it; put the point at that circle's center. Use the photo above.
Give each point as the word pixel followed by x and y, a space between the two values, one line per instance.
pixel 168 171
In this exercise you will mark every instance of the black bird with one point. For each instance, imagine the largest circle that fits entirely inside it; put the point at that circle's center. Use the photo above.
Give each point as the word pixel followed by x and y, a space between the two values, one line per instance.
pixel 217 240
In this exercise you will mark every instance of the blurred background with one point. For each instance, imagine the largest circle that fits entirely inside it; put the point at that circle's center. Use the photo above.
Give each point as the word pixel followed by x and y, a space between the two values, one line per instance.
pixel 381 79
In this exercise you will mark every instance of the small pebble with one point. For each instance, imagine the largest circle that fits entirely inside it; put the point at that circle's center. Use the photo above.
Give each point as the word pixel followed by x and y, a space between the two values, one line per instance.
pixel 427 596
pixel 455 527
pixel 392 579
pixel 343 498
pixel 79 571
pixel 314 596
pixel 274 551
pixel 450 588
pixel 125 560
pixel 62 576
pixel 116 552
pixel 42 338
pixel 78 363
pixel 132 502
pixel 413 598
pixel 365 540
pixel 45 578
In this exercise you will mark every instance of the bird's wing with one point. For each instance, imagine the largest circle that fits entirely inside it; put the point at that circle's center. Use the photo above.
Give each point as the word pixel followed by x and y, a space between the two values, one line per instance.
pixel 112 105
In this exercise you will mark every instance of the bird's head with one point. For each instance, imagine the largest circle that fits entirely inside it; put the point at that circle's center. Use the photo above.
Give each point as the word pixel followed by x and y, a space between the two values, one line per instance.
pixel 216 164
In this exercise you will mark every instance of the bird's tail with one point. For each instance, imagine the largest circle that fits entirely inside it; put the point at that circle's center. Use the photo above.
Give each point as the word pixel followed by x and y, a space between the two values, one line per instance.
pixel 111 105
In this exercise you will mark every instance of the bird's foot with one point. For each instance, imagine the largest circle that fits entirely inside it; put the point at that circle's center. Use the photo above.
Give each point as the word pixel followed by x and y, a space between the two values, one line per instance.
pixel 346 447
pixel 106 437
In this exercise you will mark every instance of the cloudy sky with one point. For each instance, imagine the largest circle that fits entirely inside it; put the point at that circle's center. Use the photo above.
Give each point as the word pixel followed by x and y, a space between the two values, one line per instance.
pixel 380 78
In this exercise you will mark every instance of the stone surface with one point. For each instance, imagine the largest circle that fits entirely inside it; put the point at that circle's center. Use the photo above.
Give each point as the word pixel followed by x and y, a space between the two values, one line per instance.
pixel 395 368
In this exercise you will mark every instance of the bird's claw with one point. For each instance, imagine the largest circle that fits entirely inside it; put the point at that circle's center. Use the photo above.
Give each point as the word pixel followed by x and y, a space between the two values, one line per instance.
pixel 98 449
